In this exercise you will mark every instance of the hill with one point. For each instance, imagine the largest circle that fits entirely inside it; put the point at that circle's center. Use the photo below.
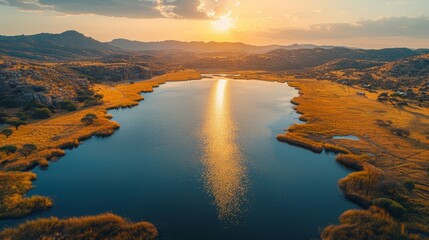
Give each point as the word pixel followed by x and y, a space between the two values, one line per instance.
pixel 52 47
pixel 283 59
pixel 204 47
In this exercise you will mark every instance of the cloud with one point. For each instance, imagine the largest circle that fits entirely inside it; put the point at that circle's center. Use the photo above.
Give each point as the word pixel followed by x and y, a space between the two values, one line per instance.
pixel 139 9
pixel 385 27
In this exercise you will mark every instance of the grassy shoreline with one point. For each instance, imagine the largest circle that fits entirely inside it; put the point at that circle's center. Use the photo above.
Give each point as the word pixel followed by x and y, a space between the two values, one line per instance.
pixel 386 165
pixel 61 132
pixel 390 181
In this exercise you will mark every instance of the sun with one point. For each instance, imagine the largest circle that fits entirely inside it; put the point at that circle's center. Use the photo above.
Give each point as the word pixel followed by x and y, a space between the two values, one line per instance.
pixel 223 23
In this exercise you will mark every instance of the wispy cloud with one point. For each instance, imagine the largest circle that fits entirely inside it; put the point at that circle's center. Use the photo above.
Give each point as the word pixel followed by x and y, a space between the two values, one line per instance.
pixel 385 27
pixel 139 9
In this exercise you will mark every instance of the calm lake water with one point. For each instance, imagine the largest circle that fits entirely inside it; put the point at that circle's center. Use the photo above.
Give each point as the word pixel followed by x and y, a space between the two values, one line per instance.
pixel 200 160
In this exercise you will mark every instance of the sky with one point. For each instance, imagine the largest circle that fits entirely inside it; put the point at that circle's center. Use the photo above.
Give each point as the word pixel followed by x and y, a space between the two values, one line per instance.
pixel 354 23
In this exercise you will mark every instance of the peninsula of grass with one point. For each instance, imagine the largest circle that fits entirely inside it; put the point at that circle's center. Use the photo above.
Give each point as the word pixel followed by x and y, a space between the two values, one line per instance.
pixel 101 227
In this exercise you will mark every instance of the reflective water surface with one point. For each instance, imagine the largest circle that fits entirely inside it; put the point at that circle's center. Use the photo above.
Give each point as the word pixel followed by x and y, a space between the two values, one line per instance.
pixel 199 159
pixel 225 172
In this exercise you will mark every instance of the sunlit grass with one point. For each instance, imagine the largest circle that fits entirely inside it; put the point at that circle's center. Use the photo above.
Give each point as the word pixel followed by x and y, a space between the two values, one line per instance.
pixel 105 226
pixel 63 131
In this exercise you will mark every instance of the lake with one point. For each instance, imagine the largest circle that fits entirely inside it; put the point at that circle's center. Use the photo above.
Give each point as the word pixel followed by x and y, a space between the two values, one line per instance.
pixel 200 160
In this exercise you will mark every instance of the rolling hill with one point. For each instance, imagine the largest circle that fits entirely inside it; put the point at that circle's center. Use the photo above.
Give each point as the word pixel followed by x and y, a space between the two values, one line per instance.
pixel 45 46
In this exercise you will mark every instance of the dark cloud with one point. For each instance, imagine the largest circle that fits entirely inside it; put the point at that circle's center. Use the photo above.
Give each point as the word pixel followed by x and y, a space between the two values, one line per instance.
pixel 190 9
pixel 385 27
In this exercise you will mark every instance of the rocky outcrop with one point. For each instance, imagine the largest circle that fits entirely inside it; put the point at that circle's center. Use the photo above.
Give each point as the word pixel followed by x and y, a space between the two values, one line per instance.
pixel 27 84
pixel 115 72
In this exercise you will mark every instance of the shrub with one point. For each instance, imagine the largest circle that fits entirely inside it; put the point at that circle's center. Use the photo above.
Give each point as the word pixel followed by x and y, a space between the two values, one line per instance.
pixel 394 208
pixel 27 149
pixel 15 122
pixel 22 116
pixel 89 119
pixel 91 115
pixel 68 105
pixel 8 149
pixel 41 113
pixel 401 132
pixel 93 102
pixel 6 132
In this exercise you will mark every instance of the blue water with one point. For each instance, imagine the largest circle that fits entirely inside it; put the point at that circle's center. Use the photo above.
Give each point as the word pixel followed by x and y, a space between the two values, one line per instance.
pixel 167 165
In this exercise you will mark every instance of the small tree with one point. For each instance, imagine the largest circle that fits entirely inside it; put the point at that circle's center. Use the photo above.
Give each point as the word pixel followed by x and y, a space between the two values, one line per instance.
pixel 8 149
pixel 89 119
pixel 15 122
pixel 27 149
pixel 91 115
pixel 7 132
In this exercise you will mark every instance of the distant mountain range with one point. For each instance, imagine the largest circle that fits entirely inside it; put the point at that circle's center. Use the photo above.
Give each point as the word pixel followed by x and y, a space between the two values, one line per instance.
pixel 205 47
pixel 282 59
pixel 45 46
pixel 72 45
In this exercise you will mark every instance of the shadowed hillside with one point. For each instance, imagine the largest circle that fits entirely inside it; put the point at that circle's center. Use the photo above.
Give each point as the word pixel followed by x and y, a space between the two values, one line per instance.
pixel 205 47
pixel 282 59
pixel 45 46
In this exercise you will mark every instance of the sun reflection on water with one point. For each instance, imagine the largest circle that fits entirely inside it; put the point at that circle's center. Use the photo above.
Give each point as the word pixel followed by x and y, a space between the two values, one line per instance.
pixel 225 176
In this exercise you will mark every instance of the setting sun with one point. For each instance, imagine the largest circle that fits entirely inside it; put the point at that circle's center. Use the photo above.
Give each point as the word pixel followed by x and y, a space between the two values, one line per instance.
pixel 223 23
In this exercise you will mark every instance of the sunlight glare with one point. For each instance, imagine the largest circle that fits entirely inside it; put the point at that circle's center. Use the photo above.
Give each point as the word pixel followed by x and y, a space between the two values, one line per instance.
pixel 223 23
pixel 225 174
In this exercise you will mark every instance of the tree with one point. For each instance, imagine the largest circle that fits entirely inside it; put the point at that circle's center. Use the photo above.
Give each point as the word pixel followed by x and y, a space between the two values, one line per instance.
pixel 41 113
pixel 91 115
pixel 68 105
pixel 89 119
pixel 8 149
pixel 7 132
pixel 27 149
pixel 15 122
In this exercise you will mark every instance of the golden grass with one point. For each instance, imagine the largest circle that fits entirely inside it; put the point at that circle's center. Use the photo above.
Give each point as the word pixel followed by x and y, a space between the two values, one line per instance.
pixel 386 161
pixel 13 185
pixel 352 161
pixel 60 132
pixel 366 225
pixel 102 227
pixel 300 140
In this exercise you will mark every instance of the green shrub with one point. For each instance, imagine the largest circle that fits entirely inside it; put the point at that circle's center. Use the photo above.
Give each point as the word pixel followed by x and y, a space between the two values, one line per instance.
pixel 68 105
pixel 394 208
pixel 15 122
pixel 22 116
pixel 6 132
pixel 93 102
pixel 8 149
pixel 41 113
pixel 27 149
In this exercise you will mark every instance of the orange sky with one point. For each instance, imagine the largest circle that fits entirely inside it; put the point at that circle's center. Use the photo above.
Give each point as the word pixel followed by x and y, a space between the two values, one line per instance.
pixel 364 23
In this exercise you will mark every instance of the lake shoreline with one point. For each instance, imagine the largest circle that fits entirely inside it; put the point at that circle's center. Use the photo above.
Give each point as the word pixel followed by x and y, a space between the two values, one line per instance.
pixel 349 155
pixel 14 174
pixel 330 109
